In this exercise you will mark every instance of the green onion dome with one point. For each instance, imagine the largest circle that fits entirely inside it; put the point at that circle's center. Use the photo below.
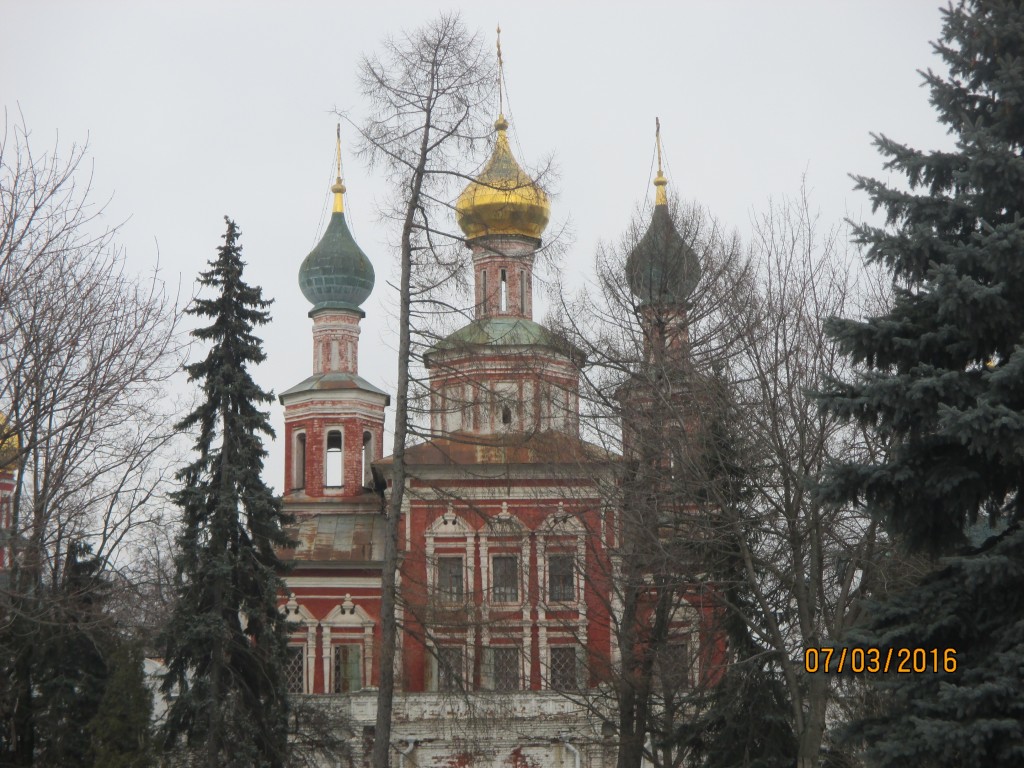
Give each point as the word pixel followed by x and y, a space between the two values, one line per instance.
pixel 662 270
pixel 336 274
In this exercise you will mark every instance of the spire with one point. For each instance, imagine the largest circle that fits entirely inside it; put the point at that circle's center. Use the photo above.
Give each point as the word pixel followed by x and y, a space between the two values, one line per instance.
pixel 662 269
pixel 660 198
pixel 336 274
pixel 503 199
pixel 338 188
pixel 501 81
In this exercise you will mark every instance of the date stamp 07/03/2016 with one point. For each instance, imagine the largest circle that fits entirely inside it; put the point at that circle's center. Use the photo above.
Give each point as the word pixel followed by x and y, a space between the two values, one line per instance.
pixel 873 660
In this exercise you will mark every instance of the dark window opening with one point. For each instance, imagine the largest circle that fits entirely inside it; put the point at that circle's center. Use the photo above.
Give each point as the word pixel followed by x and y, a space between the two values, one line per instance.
pixel 449 578
pixel 504 291
pixel 672 667
pixel 505 578
pixel 348 670
pixel 293 671
pixel 560 579
pixel 562 675
pixel 483 290
pixel 449 668
pixel 522 291
pixel 506 415
pixel 505 669
pixel 333 469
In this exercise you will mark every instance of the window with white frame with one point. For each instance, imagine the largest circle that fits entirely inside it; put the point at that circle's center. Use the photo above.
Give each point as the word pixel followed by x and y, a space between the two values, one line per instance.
pixel 450 579
pixel 348 668
pixel 505 579
pixel 561 578
pixel 294 670
pixel 502 668
pixel 333 464
pixel 563 673
pixel 450 668
pixel 672 667
pixel 299 462
pixel 367 459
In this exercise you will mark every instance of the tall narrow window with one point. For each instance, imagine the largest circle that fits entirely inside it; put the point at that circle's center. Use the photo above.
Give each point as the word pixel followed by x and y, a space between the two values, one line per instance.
pixel 562 674
pixel 293 671
pixel 522 291
pixel 348 668
pixel 672 667
pixel 483 291
pixel 367 459
pixel 505 578
pixel 449 668
pixel 504 291
pixel 449 578
pixel 299 463
pixel 560 579
pixel 506 415
pixel 333 474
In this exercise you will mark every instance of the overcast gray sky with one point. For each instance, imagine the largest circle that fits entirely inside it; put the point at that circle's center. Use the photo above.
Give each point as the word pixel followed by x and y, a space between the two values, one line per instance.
pixel 193 110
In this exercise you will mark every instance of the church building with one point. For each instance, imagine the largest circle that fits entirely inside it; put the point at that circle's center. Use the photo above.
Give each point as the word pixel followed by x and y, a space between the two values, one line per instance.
pixel 507 541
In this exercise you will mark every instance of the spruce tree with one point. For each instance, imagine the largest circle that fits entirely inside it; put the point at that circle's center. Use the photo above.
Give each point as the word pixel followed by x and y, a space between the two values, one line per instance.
pixel 120 732
pixel 225 642
pixel 943 383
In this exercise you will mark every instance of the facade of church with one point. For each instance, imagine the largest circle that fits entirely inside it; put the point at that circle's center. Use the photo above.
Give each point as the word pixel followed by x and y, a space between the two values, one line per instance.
pixel 507 542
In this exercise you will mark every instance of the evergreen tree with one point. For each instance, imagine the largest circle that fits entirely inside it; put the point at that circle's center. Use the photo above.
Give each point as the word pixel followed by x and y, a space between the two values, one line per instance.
pixel 225 642
pixel 744 717
pixel 119 733
pixel 943 383
pixel 71 666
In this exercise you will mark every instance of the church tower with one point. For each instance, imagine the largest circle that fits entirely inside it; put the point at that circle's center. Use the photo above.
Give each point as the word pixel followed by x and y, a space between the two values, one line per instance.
pixel 334 430
pixel 662 272
pixel 503 373
pixel 334 420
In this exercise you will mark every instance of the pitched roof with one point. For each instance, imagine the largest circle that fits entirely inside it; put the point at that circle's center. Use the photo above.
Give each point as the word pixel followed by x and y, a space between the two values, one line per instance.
pixel 463 448
pixel 351 538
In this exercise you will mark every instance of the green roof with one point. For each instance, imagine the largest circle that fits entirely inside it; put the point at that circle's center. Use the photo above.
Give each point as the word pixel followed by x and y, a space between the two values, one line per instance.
pixel 504 332
pixel 328 382
pixel 662 269
pixel 336 274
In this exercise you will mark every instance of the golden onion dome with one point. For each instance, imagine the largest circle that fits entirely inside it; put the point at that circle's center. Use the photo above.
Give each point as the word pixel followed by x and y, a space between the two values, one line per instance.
pixel 10 446
pixel 503 199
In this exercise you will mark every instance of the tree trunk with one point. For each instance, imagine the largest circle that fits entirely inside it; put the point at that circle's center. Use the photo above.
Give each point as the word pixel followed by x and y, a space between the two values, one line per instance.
pixel 381 756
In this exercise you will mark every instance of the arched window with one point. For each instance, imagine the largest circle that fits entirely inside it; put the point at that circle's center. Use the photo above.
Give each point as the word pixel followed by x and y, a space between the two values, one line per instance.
pixel 333 468
pixel 483 291
pixel 367 459
pixel 504 291
pixel 506 415
pixel 299 462
pixel 522 291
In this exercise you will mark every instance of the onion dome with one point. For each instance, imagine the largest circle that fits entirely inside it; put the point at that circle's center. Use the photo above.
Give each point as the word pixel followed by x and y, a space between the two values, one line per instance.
pixel 503 199
pixel 336 274
pixel 10 446
pixel 662 270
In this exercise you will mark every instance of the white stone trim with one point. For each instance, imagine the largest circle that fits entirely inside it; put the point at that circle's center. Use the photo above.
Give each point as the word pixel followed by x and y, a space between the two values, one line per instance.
pixel 347 615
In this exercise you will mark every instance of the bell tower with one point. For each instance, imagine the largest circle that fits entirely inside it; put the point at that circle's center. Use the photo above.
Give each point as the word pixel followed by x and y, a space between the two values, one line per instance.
pixel 334 420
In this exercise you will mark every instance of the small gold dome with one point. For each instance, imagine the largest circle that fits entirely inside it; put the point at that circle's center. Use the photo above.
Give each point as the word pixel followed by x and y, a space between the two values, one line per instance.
pixel 502 200
pixel 10 446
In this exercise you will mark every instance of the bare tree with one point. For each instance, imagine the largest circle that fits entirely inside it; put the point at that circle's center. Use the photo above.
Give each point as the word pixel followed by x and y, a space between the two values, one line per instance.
pixel 651 390
pixel 86 349
pixel 806 563
pixel 425 96
pixel 722 444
